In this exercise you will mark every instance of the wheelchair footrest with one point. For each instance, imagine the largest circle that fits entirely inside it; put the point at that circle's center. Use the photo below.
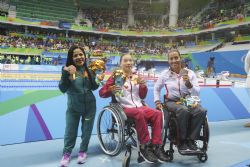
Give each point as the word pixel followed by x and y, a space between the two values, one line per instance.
pixel 191 152
pixel 128 150
pixel 140 159
pixel 126 160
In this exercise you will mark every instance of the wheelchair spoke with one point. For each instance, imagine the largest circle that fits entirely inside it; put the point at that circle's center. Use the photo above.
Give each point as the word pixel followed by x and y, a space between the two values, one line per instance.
pixel 109 132
pixel 107 122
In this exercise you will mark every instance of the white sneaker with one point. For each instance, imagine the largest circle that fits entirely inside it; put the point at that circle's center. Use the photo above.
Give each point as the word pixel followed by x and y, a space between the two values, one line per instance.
pixel 82 157
pixel 65 160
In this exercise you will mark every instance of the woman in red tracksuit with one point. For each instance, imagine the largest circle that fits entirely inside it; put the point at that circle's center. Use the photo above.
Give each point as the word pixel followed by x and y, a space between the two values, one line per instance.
pixel 134 90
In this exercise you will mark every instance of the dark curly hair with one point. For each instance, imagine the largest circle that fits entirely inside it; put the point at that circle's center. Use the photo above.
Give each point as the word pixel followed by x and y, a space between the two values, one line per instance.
pixel 70 60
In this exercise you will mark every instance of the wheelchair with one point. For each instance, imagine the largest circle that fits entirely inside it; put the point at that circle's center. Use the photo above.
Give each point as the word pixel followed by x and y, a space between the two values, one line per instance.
pixel 115 130
pixel 172 134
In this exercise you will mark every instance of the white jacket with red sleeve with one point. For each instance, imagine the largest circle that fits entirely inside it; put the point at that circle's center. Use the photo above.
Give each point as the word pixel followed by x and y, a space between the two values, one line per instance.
pixel 133 93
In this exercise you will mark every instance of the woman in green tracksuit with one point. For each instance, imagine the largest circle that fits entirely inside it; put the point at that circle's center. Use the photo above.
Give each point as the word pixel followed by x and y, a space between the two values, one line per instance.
pixel 78 82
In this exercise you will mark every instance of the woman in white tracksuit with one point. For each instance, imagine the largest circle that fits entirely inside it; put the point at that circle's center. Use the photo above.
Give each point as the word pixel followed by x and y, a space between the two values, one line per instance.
pixel 179 83
pixel 247 69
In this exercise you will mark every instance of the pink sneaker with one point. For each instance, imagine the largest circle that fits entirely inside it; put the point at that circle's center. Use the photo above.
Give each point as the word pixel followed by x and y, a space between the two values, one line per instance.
pixel 65 160
pixel 82 157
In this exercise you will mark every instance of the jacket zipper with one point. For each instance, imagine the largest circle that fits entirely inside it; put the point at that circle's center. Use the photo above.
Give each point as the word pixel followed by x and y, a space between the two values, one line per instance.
pixel 179 84
pixel 131 94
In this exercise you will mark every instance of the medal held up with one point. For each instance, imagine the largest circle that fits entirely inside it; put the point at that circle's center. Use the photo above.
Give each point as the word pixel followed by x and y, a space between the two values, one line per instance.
pixel 98 67
pixel 119 79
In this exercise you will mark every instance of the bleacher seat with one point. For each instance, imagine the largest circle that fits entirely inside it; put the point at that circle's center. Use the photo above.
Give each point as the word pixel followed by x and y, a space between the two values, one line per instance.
pixel 49 10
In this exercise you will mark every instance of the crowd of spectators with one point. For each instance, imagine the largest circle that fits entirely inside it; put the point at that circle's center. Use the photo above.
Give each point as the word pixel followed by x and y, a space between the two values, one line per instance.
pixel 57 42
pixel 22 59
pixel 147 18
pixel 106 18
pixel 224 10
pixel 48 42
pixel 116 18
pixel 218 11
pixel 54 42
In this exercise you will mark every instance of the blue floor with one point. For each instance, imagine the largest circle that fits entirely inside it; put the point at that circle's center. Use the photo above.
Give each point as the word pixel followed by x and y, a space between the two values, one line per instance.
pixel 229 147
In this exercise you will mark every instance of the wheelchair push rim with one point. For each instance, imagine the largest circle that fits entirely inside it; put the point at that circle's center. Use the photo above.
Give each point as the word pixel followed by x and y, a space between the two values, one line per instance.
pixel 110 132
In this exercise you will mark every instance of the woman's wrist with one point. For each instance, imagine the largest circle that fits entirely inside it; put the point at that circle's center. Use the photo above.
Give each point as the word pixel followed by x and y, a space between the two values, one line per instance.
pixel 157 102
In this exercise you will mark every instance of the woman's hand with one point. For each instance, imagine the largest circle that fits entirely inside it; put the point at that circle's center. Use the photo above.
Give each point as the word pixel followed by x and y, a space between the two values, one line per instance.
pixel 185 77
pixel 140 80
pixel 100 77
pixel 158 105
pixel 114 89
pixel 187 81
pixel 70 69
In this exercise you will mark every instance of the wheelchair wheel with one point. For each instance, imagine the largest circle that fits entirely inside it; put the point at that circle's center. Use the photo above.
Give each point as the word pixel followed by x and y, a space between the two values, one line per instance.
pixel 170 154
pixel 134 137
pixel 165 126
pixel 110 131
pixel 202 157
pixel 202 143
pixel 126 160
pixel 206 130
